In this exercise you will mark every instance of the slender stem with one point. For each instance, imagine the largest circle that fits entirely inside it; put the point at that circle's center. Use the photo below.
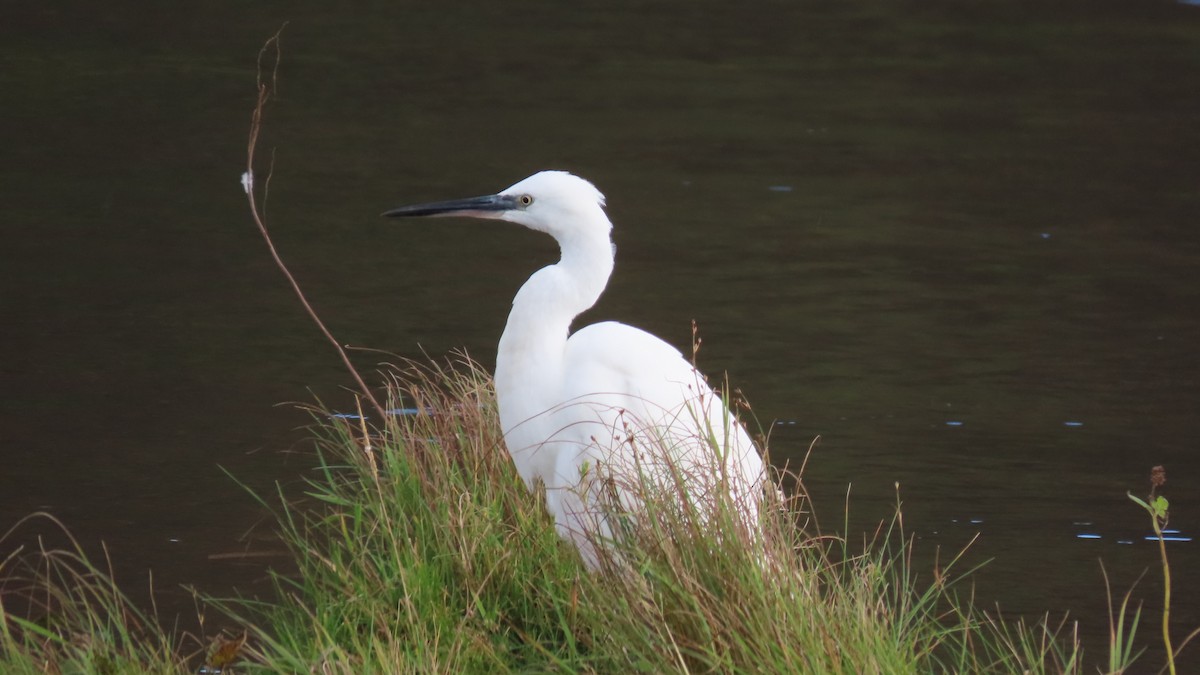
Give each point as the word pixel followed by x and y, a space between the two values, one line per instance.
pixel 264 94
pixel 1166 613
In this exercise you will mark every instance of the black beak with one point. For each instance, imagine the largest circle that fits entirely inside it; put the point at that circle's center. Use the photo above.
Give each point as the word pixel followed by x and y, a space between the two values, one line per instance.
pixel 484 207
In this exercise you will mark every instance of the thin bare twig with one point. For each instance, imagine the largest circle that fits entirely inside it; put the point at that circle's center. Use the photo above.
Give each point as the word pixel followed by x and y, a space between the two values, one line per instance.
pixel 265 90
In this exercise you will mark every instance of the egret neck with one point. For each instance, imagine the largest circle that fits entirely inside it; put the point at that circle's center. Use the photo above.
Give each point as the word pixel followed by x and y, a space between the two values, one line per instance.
pixel 529 361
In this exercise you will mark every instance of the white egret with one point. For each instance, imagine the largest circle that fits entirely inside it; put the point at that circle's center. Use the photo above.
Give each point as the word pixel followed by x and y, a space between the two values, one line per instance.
pixel 611 406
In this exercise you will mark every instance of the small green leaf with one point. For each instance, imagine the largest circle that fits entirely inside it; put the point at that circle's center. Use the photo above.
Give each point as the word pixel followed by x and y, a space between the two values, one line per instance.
pixel 1160 506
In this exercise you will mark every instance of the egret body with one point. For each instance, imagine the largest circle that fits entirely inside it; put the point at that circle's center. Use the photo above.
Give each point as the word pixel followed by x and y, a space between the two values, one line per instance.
pixel 610 406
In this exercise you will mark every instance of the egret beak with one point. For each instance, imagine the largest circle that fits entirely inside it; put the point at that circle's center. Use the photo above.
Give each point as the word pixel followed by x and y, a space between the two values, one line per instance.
pixel 487 206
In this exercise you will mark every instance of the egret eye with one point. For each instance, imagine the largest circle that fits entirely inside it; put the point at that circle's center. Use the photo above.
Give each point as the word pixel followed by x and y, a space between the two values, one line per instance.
pixel 525 200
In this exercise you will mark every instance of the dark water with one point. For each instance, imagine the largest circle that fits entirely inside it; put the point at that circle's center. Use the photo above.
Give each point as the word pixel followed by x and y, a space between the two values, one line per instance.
pixel 957 242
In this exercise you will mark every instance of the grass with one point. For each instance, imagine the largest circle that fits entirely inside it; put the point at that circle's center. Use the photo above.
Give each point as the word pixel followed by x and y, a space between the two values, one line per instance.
pixel 59 613
pixel 420 550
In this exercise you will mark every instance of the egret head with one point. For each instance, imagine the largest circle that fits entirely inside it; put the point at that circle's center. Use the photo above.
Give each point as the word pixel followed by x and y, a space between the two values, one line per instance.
pixel 555 202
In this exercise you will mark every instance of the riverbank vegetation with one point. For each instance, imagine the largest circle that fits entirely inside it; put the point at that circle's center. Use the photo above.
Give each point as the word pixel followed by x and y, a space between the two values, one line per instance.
pixel 417 548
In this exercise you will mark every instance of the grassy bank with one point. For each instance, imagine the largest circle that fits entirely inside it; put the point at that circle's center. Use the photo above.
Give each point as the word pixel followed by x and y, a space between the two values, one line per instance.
pixel 420 550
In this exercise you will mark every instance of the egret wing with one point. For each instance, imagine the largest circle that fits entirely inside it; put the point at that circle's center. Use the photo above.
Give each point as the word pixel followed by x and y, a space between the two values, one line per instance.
pixel 646 397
